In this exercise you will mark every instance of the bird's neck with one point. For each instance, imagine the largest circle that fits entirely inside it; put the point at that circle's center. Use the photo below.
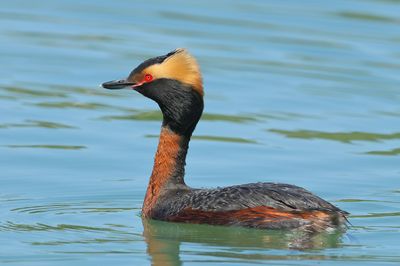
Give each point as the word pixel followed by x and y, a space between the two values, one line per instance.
pixel 169 167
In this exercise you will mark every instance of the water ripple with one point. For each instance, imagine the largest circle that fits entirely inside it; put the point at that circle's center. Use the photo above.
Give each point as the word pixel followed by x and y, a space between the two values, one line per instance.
pixel 37 123
pixel 345 137
pixel 33 92
pixel 11 226
pixel 68 208
pixel 392 152
pixel 46 146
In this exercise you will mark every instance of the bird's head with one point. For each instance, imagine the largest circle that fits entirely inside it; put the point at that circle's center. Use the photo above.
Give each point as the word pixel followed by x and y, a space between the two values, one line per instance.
pixel 174 82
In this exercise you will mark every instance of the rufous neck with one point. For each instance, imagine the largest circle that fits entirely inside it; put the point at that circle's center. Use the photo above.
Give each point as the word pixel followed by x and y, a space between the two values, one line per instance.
pixel 169 167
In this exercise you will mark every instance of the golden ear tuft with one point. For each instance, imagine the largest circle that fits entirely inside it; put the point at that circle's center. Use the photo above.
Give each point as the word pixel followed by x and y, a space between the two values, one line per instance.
pixel 182 66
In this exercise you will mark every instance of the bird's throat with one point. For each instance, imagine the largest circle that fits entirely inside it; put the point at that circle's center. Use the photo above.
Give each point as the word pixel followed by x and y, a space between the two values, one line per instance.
pixel 169 167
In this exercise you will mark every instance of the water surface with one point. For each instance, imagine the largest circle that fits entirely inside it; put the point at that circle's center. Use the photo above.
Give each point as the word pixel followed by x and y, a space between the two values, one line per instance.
pixel 301 92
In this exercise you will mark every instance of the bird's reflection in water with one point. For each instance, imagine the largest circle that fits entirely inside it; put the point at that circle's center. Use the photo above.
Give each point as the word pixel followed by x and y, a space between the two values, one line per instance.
pixel 163 240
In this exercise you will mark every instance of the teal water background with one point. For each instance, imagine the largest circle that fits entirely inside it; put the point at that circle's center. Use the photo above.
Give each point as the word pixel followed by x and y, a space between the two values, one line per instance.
pixel 301 92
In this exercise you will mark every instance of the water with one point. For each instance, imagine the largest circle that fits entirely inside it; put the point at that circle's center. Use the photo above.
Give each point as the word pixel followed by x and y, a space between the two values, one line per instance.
pixel 302 92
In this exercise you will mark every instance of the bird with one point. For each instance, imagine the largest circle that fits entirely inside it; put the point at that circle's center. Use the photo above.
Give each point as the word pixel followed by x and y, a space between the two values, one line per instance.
pixel 174 82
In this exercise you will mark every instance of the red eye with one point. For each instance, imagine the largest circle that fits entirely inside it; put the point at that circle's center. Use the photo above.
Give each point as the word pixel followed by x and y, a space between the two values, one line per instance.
pixel 148 77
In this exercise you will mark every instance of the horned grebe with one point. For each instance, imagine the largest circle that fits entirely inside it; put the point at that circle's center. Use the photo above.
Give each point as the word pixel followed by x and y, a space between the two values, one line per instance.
pixel 174 81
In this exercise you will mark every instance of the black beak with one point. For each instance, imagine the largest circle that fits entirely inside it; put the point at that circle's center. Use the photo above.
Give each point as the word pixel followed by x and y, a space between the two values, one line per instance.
pixel 117 84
